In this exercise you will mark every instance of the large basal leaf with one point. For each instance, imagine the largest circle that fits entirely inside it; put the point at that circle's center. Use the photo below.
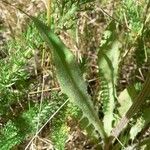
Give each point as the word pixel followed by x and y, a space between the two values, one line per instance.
pixel 69 76
pixel 108 61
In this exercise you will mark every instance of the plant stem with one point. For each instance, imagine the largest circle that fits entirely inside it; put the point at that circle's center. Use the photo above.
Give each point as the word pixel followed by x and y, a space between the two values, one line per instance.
pixel 139 100
pixel 49 3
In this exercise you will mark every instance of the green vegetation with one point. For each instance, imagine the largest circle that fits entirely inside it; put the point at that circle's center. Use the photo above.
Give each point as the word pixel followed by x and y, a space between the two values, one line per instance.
pixel 84 68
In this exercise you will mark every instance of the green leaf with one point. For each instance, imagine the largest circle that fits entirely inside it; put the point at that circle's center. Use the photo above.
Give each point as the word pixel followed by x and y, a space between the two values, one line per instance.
pixel 125 99
pixel 144 120
pixel 108 61
pixel 136 128
pixel 10 136
pixel 69 76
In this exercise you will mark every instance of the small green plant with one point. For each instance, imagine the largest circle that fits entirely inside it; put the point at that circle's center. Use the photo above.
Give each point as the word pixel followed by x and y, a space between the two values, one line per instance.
pixel 123 118
pixel 65 64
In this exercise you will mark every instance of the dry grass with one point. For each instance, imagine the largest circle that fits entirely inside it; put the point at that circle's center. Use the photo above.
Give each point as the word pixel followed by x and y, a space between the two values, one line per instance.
pixel 14 20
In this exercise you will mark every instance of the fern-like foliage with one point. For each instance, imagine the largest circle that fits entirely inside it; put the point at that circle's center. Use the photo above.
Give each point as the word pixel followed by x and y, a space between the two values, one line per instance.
pixel 12 77
pixel 60 128
pixel 16 130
